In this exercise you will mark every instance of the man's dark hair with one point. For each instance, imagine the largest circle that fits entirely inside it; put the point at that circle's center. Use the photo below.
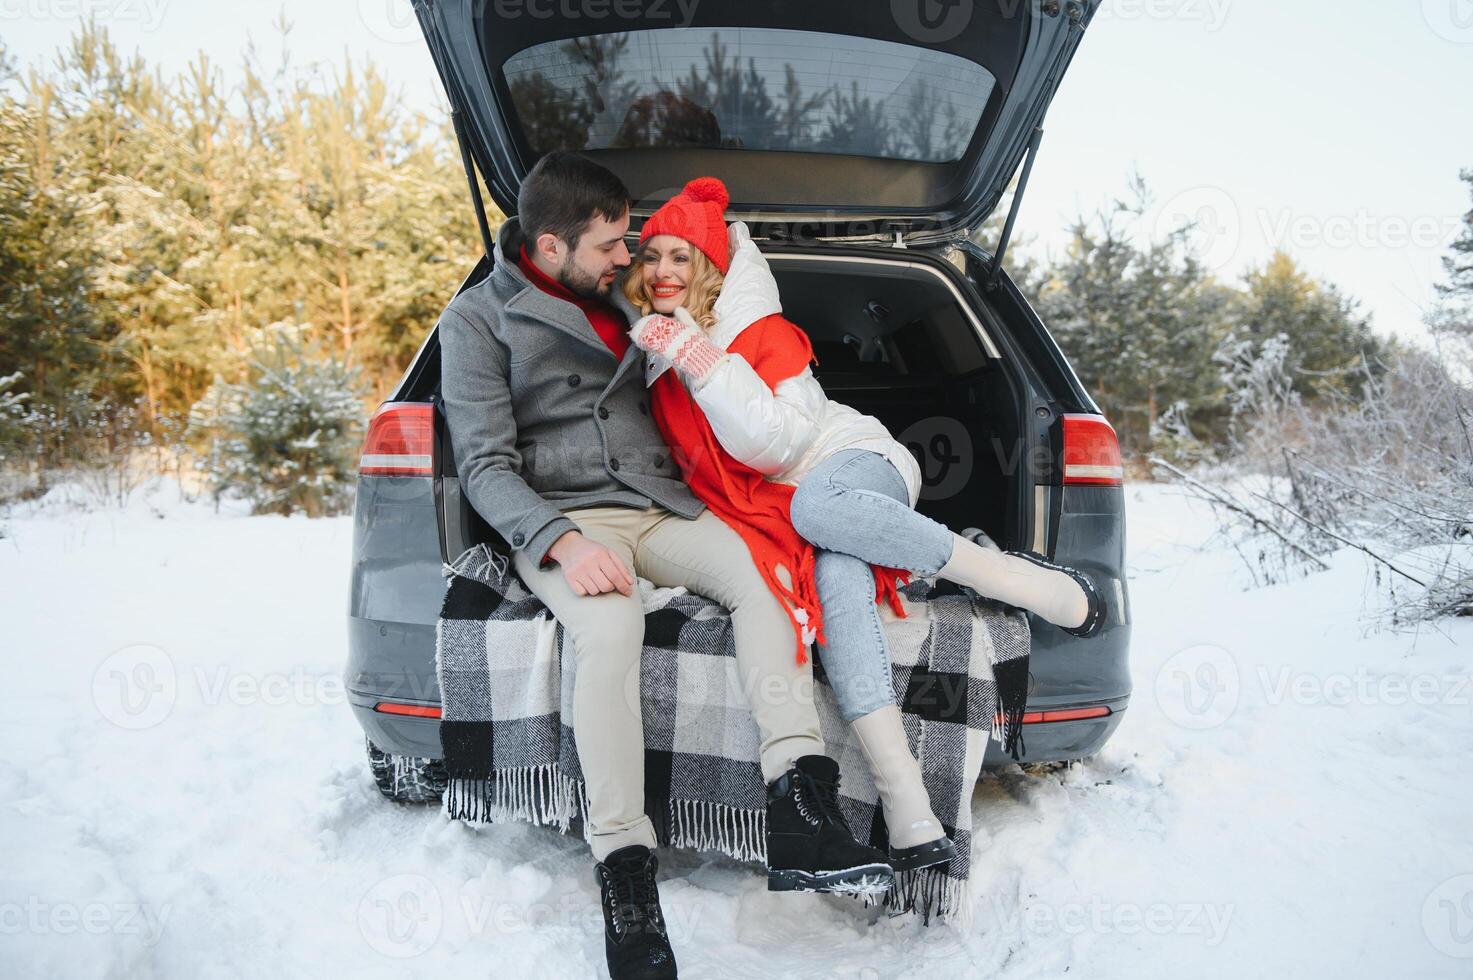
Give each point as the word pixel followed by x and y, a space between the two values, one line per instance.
pixel 563 193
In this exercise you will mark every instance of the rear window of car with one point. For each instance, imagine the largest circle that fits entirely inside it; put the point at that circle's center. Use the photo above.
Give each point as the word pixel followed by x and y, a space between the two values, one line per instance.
pixel 747 88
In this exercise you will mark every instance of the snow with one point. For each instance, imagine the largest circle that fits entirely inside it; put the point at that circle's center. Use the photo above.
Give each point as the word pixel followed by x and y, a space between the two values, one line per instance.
pixel 183 791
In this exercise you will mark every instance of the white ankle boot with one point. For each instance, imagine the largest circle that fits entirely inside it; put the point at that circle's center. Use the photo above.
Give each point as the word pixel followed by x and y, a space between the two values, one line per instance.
pixel 917 838
pixel 1049 593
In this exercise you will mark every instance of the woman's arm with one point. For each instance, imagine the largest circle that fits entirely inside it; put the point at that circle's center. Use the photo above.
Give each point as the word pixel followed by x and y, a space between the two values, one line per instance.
pixel 767 429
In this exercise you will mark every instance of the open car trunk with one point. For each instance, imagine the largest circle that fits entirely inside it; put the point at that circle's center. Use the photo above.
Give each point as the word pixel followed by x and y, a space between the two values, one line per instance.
pixel 827 119
pixel 895 338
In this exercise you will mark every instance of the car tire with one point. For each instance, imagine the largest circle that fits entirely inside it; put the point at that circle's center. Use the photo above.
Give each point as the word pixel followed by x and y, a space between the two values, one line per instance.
pixel 406 779
pixel 1050 768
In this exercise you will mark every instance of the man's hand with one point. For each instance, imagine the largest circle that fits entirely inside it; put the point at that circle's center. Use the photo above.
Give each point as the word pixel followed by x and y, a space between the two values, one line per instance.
pixel 589 567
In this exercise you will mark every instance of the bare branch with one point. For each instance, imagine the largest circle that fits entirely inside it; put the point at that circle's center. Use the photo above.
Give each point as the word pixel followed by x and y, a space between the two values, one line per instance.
pixel 1239 509
pixel 1345 541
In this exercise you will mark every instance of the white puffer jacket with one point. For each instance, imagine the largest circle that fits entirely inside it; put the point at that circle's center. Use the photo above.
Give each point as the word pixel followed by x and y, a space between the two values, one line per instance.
pixel 782 433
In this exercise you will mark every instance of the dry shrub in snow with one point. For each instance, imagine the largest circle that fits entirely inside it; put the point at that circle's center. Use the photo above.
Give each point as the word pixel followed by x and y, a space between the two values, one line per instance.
pixel 1389 473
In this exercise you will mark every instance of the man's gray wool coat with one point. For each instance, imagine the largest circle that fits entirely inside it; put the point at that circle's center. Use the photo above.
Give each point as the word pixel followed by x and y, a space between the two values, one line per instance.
pixel 543 418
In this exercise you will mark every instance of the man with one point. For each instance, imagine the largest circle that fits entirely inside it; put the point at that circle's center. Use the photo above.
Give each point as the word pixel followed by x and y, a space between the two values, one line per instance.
pixel 558 451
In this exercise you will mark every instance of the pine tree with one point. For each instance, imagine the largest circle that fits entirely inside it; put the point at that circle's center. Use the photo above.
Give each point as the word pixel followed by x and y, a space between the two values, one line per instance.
pixel 287 438
pixel 1329 344
pixel 856 124
pixel 1459 265
pixel 52 332
pixel 1140 324
pixel 379 220
pixel 737 99
pixel 550 120
pixel 17 421
pixel 1452 318
pixel 794 117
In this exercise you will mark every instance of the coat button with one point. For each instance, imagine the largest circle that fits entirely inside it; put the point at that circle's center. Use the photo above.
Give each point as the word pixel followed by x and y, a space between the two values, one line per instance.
pixel 518 540
pixel 603 413
pixel 574 381
pixel 614 465
pixel 644 408
pixel 660 463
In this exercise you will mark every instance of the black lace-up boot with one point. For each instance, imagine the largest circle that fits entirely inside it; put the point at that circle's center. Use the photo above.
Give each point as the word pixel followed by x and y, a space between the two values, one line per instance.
pixel 634 929
pixel 809 844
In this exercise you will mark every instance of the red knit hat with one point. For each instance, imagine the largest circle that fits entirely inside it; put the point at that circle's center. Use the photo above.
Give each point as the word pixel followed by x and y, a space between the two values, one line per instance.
pixel 696 214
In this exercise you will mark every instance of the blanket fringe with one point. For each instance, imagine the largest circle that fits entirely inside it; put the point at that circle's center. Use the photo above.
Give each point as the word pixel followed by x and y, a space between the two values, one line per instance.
pixel 544 796
pixel 931 893
pixel 1011 677
pixel 537 794
pixel 707 826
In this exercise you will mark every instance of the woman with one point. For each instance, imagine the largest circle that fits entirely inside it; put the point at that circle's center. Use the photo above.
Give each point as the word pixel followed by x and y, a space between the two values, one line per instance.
pixel 762 445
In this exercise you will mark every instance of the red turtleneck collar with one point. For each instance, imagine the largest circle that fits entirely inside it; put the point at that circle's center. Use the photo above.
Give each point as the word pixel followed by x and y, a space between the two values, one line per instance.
pixel 606 321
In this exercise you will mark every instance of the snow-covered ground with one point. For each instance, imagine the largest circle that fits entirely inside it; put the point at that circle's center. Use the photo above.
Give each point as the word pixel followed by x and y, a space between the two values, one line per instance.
pixel 183 791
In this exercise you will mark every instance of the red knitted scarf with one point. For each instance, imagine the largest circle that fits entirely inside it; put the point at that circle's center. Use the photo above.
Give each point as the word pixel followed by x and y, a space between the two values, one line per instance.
pixel 757 508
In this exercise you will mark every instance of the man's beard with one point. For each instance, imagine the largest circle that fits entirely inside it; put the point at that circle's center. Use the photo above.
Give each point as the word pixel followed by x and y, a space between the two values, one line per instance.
pixel 581 283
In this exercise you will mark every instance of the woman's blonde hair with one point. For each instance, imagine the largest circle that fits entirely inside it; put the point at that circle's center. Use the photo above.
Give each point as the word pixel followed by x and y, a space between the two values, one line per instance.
pixel 701 291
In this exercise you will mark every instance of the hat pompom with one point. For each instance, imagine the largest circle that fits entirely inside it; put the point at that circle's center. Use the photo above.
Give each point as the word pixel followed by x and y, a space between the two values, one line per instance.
pixel 695 214
pixel 708 189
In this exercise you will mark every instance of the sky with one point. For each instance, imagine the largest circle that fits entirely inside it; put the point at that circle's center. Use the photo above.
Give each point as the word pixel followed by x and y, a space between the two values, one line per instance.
pixel 1334 129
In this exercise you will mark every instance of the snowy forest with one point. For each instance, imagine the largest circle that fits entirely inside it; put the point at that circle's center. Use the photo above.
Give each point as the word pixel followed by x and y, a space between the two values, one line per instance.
pixel 221 280
pixel 197 274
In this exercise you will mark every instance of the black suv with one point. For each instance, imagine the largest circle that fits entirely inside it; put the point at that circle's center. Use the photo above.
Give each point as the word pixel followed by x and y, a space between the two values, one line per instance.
pixel 864 145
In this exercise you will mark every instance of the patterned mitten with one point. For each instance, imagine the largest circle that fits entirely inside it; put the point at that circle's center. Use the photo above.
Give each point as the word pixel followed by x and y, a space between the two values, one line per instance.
pixel 680 340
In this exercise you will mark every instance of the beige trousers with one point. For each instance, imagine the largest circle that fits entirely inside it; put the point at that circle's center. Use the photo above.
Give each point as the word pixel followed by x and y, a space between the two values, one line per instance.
pixel 708 558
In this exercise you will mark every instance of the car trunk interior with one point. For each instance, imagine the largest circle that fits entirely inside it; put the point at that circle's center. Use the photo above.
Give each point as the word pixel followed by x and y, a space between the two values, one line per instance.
pixel 892 340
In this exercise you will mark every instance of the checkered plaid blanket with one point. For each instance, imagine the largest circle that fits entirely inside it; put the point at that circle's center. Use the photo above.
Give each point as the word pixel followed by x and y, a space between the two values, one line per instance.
pixel 506 679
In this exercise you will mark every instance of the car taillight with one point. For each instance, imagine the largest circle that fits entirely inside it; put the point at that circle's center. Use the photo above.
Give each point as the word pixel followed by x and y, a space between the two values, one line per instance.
pixel 412 710
pixel 400 441
pixel 1091 452
pixel 1064 714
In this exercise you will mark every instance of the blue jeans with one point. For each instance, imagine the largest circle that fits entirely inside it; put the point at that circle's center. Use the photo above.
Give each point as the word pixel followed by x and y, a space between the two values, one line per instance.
pixel 855 510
